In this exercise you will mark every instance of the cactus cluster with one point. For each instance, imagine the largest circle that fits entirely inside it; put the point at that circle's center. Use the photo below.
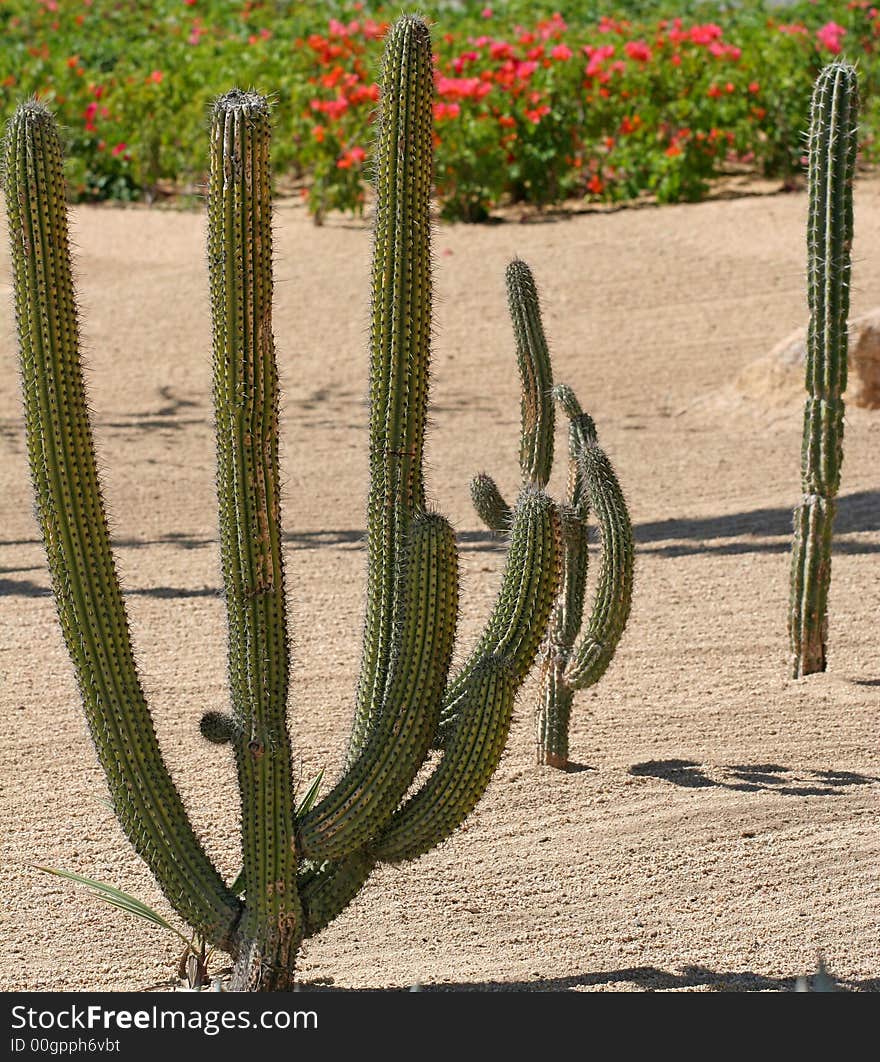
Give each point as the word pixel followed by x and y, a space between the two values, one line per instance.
pixel 571 660
pixel 833 143
pixel 300 870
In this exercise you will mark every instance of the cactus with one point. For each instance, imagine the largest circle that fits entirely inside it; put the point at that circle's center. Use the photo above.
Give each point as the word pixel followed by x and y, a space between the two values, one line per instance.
pixel 566 667
pixel 302 863
pixel 832 159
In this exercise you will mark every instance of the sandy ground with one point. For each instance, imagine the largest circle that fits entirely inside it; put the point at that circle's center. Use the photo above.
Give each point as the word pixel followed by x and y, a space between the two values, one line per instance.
pixel 722 828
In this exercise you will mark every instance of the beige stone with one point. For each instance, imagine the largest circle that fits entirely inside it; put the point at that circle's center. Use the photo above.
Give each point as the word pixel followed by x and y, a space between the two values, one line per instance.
pixel 778 377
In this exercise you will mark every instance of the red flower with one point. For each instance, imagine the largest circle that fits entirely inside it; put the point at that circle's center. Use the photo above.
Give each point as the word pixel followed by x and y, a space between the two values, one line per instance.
pixel 535 115
pixel 463 88
pixel 561 52
pixel 156 77
pixel 829 37
pixel 119 148
pixel 350 158
pixel 673 150
pixel 705 34
pixel 637 50
pixel 595 185
pixel 446 110
pixel 89 114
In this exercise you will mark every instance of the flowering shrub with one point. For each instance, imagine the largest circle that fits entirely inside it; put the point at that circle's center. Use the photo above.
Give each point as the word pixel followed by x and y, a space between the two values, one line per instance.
pixel 531 109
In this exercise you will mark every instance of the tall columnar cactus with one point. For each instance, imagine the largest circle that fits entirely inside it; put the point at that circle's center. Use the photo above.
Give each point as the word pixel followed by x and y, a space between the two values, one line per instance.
pixel 567 665
pixel 299 870
pixel 833 144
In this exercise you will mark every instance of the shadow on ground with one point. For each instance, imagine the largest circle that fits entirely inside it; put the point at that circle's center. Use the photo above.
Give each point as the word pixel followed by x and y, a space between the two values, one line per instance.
pixel 749 778
pixel 858 512
pixel 647 978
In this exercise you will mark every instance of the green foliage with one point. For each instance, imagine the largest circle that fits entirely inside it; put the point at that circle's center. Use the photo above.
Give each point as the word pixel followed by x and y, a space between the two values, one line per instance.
pixel 612 102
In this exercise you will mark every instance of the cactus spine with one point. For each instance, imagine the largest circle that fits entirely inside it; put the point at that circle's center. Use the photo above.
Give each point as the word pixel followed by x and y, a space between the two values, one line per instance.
pixel 592 484
pixel 299 871
pixel 833 143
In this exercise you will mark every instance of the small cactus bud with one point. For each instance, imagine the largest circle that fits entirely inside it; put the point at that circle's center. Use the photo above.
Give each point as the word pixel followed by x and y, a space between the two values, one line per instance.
pixel 217 727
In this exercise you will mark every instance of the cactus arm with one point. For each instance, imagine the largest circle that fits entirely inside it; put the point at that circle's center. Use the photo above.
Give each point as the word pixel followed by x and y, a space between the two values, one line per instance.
pixel 553 714
pixel 489 504
pixel 832 158
pixel 246 424
pixel 568 612
pixel 537 416
pixel 74 528
pixel 399 344
pixel 373 786
pixel 578 499
pixel 536 374
pixel 463 774
pixel 613 593
pixel 328 888
pixel 522 608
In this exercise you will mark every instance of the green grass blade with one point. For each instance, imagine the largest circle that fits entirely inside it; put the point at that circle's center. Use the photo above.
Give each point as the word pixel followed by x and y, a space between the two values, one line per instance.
pixel 117 898
pixel 311 795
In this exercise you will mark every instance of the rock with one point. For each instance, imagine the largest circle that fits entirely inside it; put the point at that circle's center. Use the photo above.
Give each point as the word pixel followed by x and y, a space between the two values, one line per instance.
pixel 778 377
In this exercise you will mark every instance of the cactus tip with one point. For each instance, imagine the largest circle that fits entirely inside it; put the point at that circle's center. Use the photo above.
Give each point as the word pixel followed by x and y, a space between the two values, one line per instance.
pixel 567 399
pixel 236 99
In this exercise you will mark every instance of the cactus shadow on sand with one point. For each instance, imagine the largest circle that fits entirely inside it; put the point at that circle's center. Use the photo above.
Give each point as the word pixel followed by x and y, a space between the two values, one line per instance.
pixel 752 777
pixel 646 978
pixel 856 512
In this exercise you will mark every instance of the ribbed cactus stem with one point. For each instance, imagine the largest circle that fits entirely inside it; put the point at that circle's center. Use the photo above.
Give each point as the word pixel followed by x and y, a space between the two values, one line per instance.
pixel 553 714
pixel 522 608
pixel 833 144
pixel 537 412
pixel 459 781
pixel 74 528
pixel 489 503
pixel 537 415
pixel 327 889
pixel 566 664
pixel 400 334
pixel 248 489
pixel 363 801
pixel 614 585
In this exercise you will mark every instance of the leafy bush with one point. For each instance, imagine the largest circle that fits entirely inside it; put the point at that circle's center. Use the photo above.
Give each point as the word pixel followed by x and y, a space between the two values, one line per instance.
pixel 529 109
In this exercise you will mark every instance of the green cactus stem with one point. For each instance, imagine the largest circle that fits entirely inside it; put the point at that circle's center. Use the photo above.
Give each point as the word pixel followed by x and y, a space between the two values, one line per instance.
pixel 565 666
pixel 568 665
pixel 400 336
pixel 522 608
pixel 471 755
pixel 248 490
pixel 73 523
pixel 372 787
pixel 833 144
pixel 537 415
